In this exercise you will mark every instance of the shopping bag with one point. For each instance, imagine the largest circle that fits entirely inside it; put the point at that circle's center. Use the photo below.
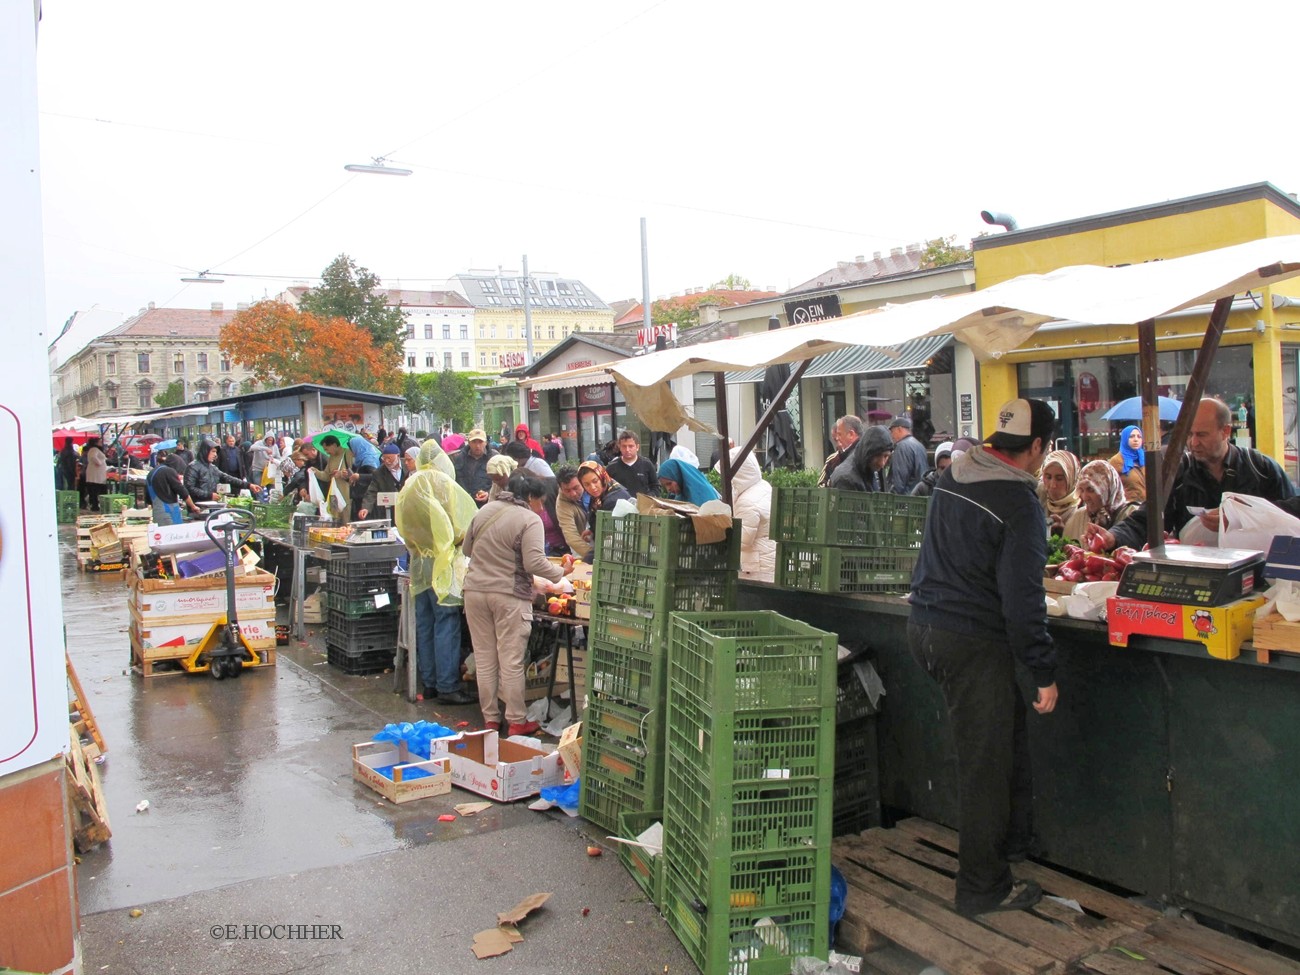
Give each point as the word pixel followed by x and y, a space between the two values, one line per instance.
pixel 1251 523
pixel 336 500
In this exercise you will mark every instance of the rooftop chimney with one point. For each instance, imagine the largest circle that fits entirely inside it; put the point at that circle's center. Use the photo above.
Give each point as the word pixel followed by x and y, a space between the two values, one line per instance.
pixel 914 248
pixel 216 306
pixel 875 255
pixel 895 252
pixel 860 259
pixel 151 306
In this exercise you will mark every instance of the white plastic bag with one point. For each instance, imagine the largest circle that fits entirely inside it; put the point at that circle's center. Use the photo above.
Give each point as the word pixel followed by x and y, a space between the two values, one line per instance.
pixel 1251 523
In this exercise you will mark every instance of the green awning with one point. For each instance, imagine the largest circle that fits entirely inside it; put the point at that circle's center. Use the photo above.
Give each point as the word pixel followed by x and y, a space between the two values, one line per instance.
pixel 858 360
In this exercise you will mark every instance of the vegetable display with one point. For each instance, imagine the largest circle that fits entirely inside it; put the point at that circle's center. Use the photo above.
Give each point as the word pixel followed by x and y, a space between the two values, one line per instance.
pixel 1080 565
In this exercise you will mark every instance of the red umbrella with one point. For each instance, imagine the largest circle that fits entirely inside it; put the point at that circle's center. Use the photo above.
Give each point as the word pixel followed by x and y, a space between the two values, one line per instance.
pixel 78 437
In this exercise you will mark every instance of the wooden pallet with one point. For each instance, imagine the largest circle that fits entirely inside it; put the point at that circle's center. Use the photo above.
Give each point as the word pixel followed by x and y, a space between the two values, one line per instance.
pixel 901 886
pixel 80 716
pixel 87 807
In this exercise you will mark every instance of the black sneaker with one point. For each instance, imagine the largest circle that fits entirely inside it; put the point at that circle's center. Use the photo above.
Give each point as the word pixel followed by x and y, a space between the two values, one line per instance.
pixel 1022 896
pixel 457 697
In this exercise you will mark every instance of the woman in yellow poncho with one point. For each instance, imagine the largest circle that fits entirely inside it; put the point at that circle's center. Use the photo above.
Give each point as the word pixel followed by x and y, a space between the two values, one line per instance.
pixel 433 513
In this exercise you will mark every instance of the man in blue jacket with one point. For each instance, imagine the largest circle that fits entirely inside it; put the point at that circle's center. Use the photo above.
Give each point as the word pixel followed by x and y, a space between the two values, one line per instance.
pixel 978 603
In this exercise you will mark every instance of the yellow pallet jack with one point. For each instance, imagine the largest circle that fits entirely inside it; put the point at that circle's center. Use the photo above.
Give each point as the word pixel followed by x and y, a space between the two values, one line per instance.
pixel 223 651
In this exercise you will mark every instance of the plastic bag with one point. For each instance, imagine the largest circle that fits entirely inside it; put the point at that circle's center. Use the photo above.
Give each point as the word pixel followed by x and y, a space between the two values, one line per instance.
pixel 564 796
pixel 1252 523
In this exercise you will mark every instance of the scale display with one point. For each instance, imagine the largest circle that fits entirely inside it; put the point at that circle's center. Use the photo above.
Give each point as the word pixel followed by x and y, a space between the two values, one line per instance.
pixel 1191 575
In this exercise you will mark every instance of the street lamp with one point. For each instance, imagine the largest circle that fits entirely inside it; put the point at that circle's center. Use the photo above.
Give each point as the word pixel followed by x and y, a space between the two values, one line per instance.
pixel 377 166
pixel 203 278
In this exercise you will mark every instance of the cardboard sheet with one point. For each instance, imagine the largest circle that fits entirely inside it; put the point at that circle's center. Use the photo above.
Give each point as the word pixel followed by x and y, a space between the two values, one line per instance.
pixel 709 528
pixel 521 910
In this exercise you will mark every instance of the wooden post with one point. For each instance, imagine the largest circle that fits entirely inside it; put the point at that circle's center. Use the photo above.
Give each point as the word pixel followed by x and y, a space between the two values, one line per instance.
pixel 1195 388
pixel 777 404
pixel 724 448
pixel 1151 432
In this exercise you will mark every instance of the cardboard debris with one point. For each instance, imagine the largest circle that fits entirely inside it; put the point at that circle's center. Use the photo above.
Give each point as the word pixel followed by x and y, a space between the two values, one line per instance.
pixel 521 910
pixel 471 808
pixel 709 528
pixel 490 943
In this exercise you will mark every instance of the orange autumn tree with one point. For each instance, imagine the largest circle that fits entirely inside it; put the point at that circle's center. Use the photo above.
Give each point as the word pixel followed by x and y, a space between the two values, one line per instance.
pixel 282 346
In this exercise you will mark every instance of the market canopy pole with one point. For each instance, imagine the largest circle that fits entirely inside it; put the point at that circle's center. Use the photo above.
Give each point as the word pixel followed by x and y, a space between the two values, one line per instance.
pixel 724 447
pixel 1151 431
pixel 1195 388
pixel 776 406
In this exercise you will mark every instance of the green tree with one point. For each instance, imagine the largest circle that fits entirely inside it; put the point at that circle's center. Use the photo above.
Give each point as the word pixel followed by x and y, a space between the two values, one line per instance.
pixel 173 395
pixel 449 395
pixel 416 399
pixel 732 282
pixel 353 294
pixel 943 251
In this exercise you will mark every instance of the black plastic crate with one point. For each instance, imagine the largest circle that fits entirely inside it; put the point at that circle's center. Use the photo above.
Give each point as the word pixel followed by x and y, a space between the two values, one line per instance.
pixel 348 556
pixel 353 587
pixel 369 662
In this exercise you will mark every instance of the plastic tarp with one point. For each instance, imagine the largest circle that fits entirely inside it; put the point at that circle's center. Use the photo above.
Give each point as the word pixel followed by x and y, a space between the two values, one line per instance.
pixel 992 321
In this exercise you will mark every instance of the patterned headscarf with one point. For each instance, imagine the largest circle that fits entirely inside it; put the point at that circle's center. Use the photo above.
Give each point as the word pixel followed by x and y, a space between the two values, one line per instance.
pixel 1102 475
pixel 606 482
pixel 1067 462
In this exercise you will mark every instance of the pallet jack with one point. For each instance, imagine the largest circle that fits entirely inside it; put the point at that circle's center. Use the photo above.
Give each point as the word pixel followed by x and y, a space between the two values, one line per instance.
pixel 223 650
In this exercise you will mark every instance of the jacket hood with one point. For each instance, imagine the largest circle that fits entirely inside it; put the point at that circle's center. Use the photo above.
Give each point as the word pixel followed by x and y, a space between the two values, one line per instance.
pixel 524 428
pixel 980 464
pixel 873 442
pixel 747 475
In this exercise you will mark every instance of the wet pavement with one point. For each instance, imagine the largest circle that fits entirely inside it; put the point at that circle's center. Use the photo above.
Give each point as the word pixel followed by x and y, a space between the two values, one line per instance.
pixel 254 819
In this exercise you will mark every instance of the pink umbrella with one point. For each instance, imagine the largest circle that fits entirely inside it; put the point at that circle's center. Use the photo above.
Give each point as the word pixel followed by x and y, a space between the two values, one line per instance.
pixel 453 441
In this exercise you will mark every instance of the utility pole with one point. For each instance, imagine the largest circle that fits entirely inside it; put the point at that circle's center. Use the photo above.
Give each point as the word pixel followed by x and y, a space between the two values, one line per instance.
pixel 528 316
pixel 645 279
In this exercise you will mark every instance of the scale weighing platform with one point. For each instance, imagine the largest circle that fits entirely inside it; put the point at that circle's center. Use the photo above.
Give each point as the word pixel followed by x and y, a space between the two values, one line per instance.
pixel 1188 592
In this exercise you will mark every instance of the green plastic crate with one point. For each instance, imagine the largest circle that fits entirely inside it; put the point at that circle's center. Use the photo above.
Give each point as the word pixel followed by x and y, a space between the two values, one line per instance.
pixel 722 819
pixel 763 661
pixel 627 676
pixel 360 606
pixel 662 541
pixel 662 589
pixel 67 504
pixel 829 569
pixel 857 518
pixel 722 940
pixel 274 514
pixel 115 504
pixel 751 746
pixel 622 762
pixel 646 868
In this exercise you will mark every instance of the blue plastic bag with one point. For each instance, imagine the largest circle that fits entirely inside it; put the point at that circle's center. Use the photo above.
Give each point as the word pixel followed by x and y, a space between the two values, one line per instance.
pixel 839 894
pixel 566 797
pixel 416 735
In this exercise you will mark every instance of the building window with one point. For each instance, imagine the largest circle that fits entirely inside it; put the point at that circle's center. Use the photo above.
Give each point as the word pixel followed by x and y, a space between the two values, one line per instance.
pixel 225 364
pixel 482 360
pixel 494 360
pixel 446 331
pixel 146 395
pixel 489 287
pixel 482 331
pixel 577 288
pixel 510 331
pixel 203 361
pixel 428 331
pixel 464 332
pixel 224 386
pixel 410 330
pixel 178 362
pixel 550 331
pixel 112 399
pixel 410 362
pixel 234 388
pixel 142 362
pixel 428 361
pixel 110 364
pixel 464 360
pixel 493 332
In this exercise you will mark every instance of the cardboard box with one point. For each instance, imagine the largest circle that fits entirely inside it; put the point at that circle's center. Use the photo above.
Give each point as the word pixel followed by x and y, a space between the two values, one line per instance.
pixel 1222 629
pixel 187 537
pixel 500 770
pixel 570 749
pixel 194 605
pixel 371 755
pixel 258 577
pixel 180 639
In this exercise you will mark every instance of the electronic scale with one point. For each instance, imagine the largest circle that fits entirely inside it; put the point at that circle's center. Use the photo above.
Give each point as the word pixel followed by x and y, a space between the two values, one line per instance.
pixel 375 530
pixel 1191 575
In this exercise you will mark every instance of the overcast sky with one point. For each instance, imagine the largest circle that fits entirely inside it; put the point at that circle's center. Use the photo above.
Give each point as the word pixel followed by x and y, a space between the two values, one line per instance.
pixel 767 140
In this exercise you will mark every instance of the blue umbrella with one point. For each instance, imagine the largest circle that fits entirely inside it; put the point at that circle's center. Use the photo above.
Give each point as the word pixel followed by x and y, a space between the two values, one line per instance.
pixel 162 445
pixel 1130 410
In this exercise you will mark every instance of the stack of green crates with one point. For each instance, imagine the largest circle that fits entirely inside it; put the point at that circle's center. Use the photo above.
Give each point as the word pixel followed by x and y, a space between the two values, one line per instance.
pixel 857 761
pixel 67 504
pixel 645 568
pixel 748 789
pixel 846 541
pixel 115 504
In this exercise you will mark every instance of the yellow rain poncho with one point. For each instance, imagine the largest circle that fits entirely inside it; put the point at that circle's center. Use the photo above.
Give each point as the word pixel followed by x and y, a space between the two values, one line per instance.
pixel 433 513
pixel 432 455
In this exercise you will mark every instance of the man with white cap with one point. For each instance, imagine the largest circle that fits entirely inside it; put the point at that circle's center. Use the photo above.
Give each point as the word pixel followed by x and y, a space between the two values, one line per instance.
pixel 977 604
pixel 470 463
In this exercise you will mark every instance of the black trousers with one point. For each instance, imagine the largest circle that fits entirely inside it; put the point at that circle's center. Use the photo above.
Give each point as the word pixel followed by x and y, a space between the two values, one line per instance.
pixel 987 713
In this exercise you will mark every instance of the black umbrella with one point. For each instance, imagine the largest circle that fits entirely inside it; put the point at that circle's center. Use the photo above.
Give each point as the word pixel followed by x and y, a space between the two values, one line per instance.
pixel 781 440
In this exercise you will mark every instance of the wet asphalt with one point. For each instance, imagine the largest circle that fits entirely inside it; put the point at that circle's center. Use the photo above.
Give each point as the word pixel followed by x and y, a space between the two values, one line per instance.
pixel 258 852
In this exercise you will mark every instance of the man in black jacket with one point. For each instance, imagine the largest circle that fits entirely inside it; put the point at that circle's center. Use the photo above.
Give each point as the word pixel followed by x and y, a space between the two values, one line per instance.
pixel 230 458
pixel 978 602
pixel 632 470
pixel 167 489
pixel 470 463
pixel 1211 466
pixel 203 476
pixel 388 478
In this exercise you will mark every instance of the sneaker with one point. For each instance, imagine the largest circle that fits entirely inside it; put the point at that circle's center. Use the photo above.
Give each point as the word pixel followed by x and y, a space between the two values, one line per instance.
pixel 527 728
pixel 457 697
pixel 1023 895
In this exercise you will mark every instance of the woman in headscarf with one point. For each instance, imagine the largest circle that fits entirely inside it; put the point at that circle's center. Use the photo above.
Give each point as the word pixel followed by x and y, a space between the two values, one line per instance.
pixel 682 482
pixel 1130 463
pixel 433 513
pixel 605 492
pixel 499 469
pixel 1102 494
pixel 752 497
pixel 1056 492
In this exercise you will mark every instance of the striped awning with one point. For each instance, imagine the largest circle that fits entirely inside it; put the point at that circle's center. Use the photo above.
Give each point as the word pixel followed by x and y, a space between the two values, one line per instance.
pixel 860 360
